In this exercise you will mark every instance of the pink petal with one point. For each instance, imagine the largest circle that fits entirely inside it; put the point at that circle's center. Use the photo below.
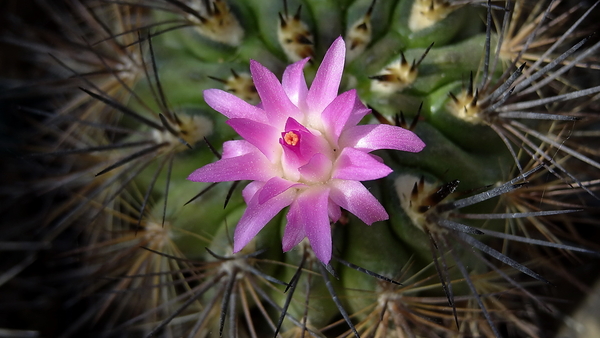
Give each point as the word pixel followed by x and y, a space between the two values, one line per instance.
pixel 358 112
pixel 381 136
pixel 232 106
pixel 336 115
pixel 237 148
pixel 257 216
pixel 294 84
pixel 326 84
pixel 310 212
pixel 252 166
pixel 274 187
pixel 251 189
pixel 334 211
pixel 291 160
pixel 292 124
pixel 312 144
pixel 294 230
pixel 354 197
pixel 262 136
pixel 353 164
pixel 318 169
pixel 273 98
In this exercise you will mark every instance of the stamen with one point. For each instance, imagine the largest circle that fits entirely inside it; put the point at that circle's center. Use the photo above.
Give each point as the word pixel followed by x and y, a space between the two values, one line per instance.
pixel 291 138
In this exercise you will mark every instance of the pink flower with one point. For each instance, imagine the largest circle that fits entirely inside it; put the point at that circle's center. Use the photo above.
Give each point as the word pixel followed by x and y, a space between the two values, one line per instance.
pixel 303 148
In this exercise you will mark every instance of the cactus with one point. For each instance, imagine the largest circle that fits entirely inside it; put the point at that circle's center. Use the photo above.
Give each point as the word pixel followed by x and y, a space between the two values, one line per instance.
pixel 251 168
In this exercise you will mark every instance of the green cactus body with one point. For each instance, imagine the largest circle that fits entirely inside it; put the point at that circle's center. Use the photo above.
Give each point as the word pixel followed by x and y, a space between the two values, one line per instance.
pixel 418 64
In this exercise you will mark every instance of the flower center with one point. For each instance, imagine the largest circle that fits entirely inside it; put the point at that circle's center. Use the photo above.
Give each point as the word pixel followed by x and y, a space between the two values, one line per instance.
pixel 290 138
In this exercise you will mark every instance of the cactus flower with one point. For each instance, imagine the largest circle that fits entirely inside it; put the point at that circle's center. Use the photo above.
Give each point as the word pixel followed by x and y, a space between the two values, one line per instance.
pixel 303 148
